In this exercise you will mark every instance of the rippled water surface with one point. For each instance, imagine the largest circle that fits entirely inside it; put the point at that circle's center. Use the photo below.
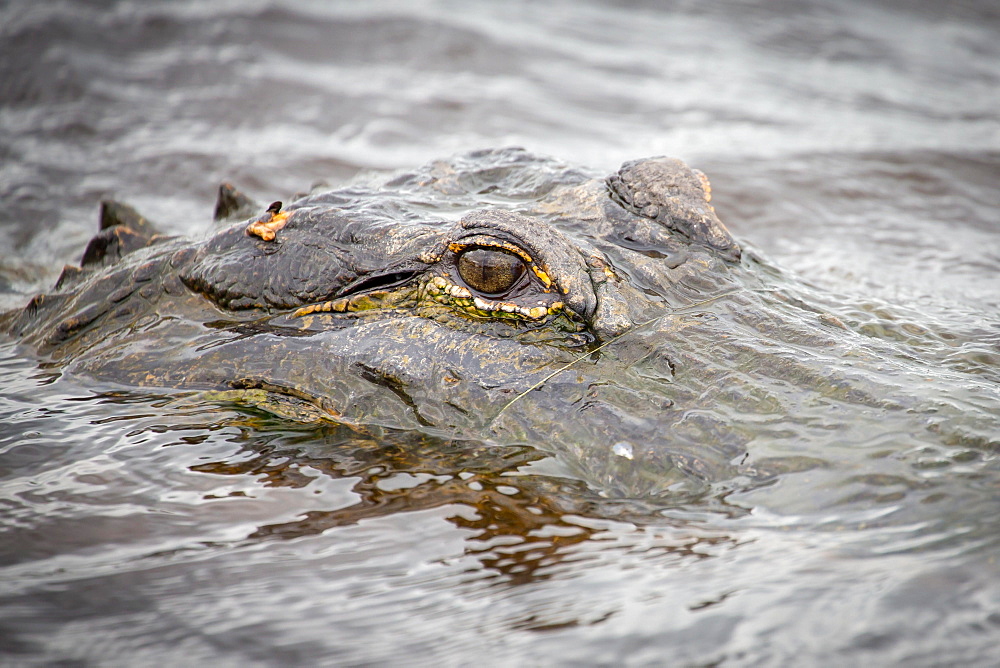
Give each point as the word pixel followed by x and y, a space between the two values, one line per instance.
pixel 854 149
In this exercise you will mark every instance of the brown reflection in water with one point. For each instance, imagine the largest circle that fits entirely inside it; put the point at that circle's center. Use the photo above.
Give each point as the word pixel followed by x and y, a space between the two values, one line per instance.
pixel 519 524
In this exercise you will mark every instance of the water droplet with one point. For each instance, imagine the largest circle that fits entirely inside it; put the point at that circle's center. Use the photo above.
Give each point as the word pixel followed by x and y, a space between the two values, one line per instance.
pixel 622 449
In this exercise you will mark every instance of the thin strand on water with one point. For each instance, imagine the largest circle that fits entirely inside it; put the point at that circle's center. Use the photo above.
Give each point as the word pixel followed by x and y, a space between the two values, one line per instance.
pixel 607 343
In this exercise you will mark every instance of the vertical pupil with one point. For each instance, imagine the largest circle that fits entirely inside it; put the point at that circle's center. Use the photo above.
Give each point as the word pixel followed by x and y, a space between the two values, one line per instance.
pixel 490 271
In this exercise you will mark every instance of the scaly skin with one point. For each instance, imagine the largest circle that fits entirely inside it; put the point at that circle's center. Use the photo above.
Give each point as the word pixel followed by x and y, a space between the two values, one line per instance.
pixel 636 344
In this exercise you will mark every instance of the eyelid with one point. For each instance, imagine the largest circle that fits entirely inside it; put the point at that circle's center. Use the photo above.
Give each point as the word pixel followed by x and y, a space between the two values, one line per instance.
pixel 488 243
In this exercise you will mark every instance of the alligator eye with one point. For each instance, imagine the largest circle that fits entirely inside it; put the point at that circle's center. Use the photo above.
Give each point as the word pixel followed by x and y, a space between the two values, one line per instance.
pixel 490 271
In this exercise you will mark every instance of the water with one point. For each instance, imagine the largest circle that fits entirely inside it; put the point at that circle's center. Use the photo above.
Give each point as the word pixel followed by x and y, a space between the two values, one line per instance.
pixel 855 147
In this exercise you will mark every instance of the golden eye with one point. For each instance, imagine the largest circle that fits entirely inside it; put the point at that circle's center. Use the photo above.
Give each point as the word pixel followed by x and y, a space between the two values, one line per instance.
pixel 490 271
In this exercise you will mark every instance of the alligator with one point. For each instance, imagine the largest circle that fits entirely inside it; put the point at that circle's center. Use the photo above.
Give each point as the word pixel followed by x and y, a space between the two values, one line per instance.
pixel 613 322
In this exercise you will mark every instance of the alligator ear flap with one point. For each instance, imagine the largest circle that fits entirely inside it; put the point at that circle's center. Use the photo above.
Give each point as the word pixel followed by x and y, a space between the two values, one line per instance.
pixel 232 205
pixel 671 193
pixel 123 230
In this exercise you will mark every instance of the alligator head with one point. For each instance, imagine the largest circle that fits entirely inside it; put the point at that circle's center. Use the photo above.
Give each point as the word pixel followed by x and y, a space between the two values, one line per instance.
pixel 495 296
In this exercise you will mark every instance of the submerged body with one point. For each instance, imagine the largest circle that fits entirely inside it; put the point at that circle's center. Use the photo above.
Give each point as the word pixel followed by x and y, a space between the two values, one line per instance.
pixel 613 322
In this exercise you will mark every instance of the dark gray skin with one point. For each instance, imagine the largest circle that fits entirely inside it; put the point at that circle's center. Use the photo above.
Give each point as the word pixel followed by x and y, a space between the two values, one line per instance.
pixel 632 340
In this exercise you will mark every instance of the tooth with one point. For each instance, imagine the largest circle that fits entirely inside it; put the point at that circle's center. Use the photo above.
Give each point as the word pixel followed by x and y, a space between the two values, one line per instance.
pixel 483 305
pixel 538 312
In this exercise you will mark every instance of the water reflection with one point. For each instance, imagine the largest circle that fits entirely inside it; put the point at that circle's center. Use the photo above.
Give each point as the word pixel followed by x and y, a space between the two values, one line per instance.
pixel 520 525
